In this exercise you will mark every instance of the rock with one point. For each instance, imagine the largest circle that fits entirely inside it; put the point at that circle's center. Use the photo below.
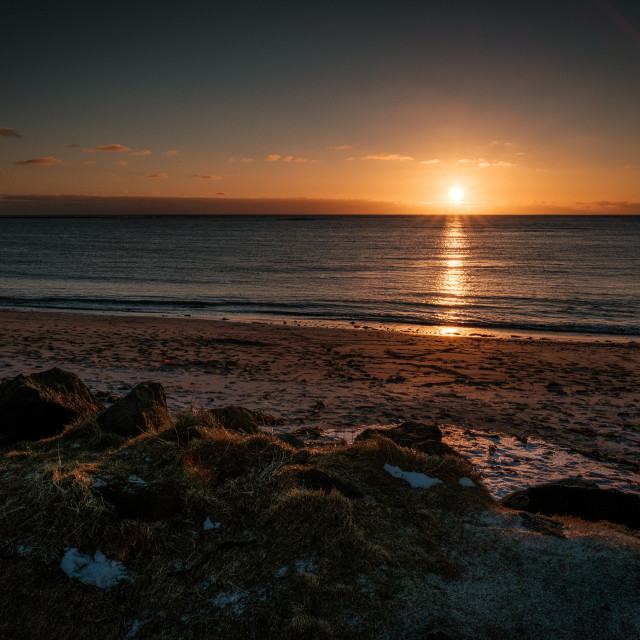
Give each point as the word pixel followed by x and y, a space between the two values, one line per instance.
pixel 415 435
pixel 317 480
pixel 579 499
pixel 291 440
pixel 312 432
pixel 145 502
pixel 41 405
pixel 236 418
pixel 144 408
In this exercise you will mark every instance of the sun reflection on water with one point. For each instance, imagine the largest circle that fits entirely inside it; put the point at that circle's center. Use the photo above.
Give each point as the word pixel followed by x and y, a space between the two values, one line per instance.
pixel 452 281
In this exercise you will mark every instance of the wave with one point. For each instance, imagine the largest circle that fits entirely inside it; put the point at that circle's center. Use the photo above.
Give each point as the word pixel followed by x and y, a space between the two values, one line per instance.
pixel 464 315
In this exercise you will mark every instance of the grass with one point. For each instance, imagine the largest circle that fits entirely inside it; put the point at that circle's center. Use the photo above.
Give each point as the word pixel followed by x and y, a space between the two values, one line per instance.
pixel 285 562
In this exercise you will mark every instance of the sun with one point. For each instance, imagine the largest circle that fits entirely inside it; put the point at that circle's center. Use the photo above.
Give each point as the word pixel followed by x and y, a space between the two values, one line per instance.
pixel 456 194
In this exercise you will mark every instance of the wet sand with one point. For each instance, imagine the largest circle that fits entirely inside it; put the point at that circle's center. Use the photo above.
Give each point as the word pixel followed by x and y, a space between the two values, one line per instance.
pixel 577 395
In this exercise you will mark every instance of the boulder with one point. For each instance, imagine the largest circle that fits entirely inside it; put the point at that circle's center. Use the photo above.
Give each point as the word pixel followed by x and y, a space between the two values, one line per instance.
pixel 291 440
pixel 236 418
pixel 426 438
pixel 317 480
pixel 579 499
pixel 41 405
pixel 144 408
pixel 145 502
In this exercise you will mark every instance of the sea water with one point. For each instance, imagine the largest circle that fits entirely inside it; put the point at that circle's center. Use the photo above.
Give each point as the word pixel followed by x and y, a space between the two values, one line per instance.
pixel 578 274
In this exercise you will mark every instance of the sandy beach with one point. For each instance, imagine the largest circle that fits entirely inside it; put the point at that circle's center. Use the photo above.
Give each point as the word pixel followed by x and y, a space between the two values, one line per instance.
pixel 579 396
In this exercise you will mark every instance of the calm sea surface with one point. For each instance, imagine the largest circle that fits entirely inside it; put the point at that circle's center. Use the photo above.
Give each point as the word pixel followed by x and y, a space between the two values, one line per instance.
pixel 577 274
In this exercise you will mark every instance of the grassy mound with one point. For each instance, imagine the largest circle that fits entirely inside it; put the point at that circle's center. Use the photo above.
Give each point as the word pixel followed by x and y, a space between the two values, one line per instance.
pixel 248 551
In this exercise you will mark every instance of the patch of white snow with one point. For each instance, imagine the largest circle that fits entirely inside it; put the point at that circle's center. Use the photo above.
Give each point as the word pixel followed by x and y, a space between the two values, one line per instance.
pixel 210 525
pixel 415 479
pixel 99 570
pixel 466 482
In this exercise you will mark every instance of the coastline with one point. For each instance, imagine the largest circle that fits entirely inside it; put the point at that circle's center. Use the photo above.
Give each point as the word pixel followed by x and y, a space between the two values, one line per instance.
pixel 575 395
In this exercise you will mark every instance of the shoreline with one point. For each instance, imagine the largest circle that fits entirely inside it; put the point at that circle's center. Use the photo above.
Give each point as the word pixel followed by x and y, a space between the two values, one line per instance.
pixel 577 396
pixel 311 322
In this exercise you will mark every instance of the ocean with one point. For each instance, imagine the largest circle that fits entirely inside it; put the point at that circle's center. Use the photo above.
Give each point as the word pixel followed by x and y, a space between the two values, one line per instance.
pixel 556 274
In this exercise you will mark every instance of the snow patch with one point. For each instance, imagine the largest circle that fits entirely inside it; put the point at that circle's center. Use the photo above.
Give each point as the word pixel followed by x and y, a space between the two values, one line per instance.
pixel 210 525
pixel 135 480
pixel 99 570
pixel 466 482
pixel 415 479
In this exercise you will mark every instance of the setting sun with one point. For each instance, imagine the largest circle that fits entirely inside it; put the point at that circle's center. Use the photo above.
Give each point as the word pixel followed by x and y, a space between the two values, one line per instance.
pixel 456 194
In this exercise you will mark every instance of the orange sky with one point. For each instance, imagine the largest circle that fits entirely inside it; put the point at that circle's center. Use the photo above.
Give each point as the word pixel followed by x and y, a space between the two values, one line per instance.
pixel 522 111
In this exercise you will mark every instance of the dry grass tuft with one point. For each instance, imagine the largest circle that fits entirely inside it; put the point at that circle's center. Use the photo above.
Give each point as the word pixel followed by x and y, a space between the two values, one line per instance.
pixel 296 562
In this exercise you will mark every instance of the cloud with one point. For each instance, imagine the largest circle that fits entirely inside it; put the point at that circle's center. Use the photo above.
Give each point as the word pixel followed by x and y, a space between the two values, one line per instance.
pixel 8 132
pixel 387 156
pixel 122 163
pixel 292 159
pixel 207 177
pixel 146 152
pixel 156 175
pixel 110 147
pixel 48 161
pixel 73 145
pixel 221 193
pixel 272 157
pixel 434 161
pixel 171 152
pixel 502 143
pixel 342 147
pixel 483 164
pixel 234 159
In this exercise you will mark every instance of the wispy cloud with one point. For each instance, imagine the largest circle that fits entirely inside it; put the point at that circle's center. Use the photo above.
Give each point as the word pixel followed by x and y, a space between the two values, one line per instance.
pixel 502 143
pixel 433 161
pixel 342 147
pixel 483 164
pixel 388 156
pixel 234 159
pixel 207 176
pixel 276 157
pixel 146 152
pixel 110 147
pixel 48 161
pixel 156 175
pixel 122 163
pixel 8 132
pixel 171 152
pixel 221 193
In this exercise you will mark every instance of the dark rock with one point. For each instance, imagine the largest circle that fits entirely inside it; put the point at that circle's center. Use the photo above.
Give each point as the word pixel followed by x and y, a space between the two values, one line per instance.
pixel 317 480
pixel 575 498
pixel 145 502
pixel 414 435
pixel 310 432
pixel 41 405
pixel 291 440
pixel 144 408
pixel 236 418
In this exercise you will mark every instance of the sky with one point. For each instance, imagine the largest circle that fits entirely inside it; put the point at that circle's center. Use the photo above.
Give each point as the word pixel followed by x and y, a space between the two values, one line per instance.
pixel 521 106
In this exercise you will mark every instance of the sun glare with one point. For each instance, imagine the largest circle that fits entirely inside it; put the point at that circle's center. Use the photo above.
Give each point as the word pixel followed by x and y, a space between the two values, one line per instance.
pixel 456 194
